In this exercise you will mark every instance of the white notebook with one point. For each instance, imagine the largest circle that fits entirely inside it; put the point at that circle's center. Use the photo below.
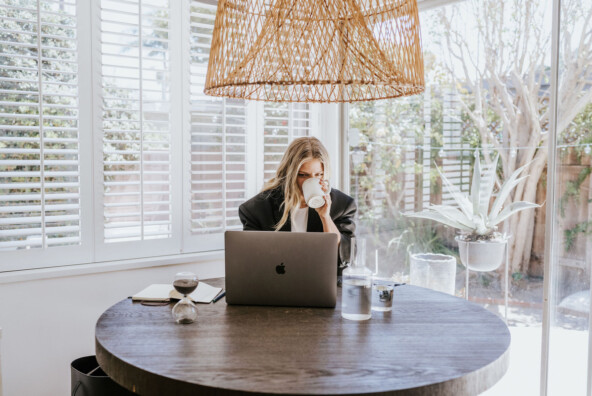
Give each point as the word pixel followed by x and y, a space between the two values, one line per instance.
pixel 165 292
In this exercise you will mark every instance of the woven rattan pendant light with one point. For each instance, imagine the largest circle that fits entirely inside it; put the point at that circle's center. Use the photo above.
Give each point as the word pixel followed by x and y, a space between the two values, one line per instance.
pixel 315 50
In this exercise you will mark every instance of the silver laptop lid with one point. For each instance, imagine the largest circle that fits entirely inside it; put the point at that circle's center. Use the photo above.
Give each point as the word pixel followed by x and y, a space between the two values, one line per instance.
pixel 281 268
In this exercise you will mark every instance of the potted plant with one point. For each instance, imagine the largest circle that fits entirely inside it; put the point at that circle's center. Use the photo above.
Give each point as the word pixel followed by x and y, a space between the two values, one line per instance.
pixel 481 246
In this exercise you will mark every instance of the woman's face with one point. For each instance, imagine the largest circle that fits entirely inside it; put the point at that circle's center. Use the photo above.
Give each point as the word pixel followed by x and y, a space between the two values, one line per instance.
pixel 312 168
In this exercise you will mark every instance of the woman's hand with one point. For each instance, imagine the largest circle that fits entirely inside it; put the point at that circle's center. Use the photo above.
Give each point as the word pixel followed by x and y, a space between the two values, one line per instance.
pixel 325 212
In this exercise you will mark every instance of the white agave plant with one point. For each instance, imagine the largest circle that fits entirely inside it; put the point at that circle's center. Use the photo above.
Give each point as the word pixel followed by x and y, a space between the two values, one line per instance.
pixel 472 214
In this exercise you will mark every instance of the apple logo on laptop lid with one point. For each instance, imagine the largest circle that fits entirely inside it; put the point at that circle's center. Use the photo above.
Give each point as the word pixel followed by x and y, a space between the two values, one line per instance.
pixel 280 269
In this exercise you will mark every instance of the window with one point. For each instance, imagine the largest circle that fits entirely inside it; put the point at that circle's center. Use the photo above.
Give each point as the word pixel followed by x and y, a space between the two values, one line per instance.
pixel 283 122
pixel 136 74
pixel 136 128
pixel 218 140
pixel 116 153
pixel 40 180
pixel 489 91
pixel 569 322
pixel 40 189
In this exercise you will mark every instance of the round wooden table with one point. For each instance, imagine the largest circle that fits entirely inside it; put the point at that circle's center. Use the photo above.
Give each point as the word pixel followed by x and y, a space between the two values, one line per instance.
pixel 430 344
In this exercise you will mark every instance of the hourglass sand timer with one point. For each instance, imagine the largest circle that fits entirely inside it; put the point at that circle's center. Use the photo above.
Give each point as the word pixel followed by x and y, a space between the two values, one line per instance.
pixel 184 311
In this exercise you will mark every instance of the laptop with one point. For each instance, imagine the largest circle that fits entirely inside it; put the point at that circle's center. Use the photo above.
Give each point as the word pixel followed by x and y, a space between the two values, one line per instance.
pixel 281 268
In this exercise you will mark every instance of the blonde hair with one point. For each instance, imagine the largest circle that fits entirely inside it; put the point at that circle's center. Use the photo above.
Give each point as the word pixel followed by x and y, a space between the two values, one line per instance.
pixel 301 150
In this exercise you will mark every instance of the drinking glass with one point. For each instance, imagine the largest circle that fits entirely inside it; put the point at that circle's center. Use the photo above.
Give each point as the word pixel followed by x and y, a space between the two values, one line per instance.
pixel 382 294
pixel 383 284
pixel 433 271
pixel 185 312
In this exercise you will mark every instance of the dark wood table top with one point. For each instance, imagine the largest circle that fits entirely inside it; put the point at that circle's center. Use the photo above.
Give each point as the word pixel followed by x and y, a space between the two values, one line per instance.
pixel 430 344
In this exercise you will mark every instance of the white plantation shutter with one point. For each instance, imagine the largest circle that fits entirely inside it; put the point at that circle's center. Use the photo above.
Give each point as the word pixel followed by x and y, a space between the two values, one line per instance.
pixel 218 134
pixel 282 123
pixel 218 164
pixel 136 115
pixel 40 202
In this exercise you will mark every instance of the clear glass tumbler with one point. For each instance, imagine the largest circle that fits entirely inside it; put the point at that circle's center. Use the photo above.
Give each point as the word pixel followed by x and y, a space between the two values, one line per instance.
pixel 382 294
pixel 433 271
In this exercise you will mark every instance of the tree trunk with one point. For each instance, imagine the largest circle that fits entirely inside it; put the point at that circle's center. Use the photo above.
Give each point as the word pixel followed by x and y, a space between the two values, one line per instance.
pixel 522 223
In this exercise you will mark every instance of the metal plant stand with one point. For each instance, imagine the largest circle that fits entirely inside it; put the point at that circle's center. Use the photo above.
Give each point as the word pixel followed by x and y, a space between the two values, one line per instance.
pixel 506 280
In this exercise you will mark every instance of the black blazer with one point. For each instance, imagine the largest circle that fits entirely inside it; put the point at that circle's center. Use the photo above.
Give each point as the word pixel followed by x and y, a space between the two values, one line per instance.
pixel 263 212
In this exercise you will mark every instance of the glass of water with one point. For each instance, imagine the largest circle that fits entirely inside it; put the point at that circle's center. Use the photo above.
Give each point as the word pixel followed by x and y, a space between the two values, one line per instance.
pixel 383 284
pixel 382 294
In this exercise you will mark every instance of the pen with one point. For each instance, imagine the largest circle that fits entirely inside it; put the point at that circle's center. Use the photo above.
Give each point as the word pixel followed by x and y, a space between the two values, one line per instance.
pixel 219 296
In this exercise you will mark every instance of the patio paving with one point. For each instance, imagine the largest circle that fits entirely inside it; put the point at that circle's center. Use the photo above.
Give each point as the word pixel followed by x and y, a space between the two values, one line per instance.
pixel 567 372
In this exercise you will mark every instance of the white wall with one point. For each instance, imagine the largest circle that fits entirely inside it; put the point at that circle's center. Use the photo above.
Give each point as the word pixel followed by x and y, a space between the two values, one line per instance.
pixel 48 323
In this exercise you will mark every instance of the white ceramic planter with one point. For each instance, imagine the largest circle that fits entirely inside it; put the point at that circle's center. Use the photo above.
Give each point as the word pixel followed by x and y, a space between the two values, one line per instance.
pixel 482 256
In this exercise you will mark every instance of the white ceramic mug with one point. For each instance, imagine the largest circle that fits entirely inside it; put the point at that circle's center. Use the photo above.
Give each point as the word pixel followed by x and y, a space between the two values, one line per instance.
pixel 313 192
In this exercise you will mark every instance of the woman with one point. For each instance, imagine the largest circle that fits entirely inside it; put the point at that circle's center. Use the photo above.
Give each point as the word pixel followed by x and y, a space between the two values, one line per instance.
pixel 280 206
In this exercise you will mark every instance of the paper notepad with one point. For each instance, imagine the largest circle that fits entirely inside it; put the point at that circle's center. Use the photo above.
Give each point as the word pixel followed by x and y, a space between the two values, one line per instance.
pixel 165 292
